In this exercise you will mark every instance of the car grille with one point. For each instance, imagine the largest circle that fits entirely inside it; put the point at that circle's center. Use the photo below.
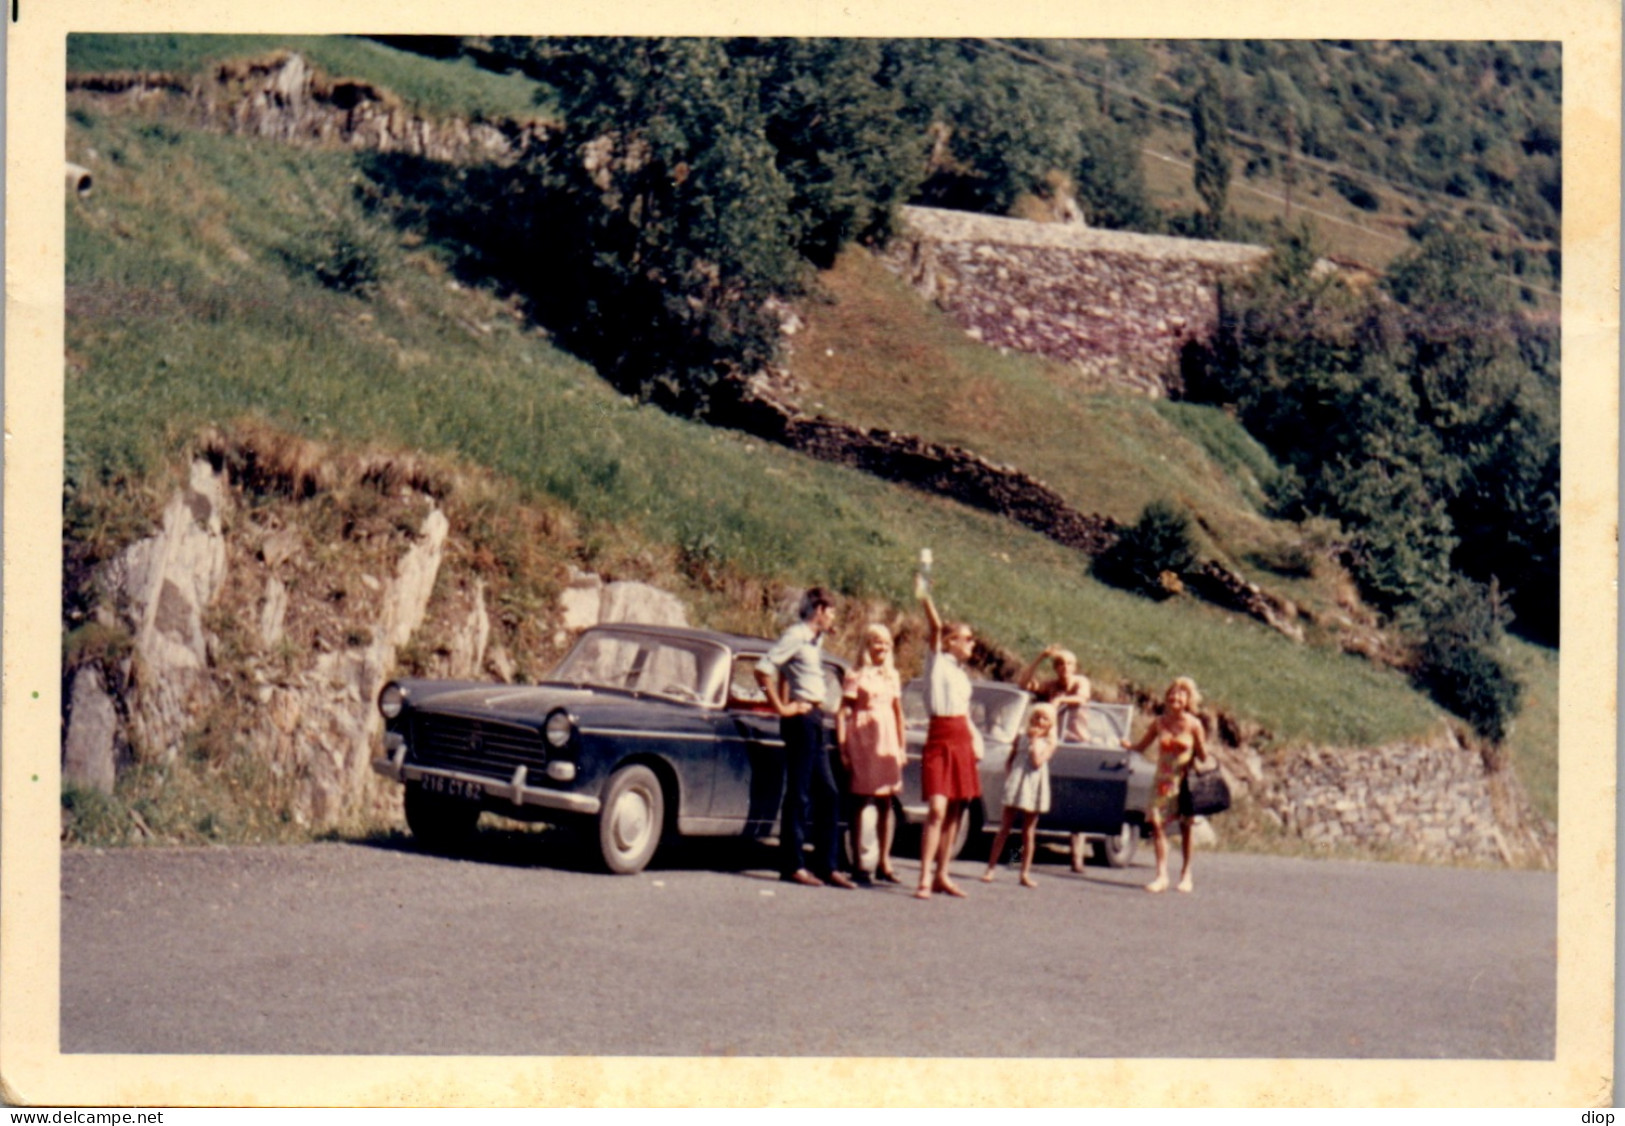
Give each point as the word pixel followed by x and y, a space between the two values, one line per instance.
pixel 475 746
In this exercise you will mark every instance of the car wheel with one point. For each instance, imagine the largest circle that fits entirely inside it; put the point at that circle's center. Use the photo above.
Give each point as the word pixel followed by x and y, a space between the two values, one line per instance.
pixel 1118 851
pixel 631 820
pixel 439 823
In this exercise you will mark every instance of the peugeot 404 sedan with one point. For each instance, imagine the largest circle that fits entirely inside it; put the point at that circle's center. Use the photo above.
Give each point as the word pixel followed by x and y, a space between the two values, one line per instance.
pixel 642 733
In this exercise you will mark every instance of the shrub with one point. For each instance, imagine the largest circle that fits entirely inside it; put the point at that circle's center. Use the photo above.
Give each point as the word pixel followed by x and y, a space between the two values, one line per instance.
pixel 1459 662
pixel 1356 192
pixel 1159 541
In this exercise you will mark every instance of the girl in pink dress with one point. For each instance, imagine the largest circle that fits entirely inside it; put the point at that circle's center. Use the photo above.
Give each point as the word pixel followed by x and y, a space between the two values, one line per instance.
pixel 869 728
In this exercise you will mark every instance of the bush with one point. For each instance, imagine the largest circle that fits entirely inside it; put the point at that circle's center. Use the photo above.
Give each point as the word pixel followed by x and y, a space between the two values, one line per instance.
pixel 1159 541
pixel 1356 192
pixel 1459 662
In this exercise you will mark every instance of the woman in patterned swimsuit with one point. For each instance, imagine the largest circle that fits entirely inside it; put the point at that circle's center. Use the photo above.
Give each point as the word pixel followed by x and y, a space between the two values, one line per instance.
pixel 1180 743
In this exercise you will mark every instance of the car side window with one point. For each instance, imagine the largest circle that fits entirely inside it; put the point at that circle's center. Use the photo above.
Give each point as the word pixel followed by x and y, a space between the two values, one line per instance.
pixel 744 690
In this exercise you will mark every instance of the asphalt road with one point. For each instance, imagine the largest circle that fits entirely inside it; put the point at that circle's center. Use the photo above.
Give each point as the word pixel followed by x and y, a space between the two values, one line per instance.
pixel 380 949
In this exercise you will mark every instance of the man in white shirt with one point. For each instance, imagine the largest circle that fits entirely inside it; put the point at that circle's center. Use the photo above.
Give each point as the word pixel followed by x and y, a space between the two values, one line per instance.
pixel 808 778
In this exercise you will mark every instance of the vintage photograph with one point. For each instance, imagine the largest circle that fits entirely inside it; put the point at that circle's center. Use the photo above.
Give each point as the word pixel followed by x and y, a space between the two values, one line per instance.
pixel 983 558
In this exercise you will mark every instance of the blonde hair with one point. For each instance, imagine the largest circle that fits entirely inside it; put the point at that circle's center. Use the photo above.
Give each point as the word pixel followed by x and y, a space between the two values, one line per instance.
pixel 1193 697
pixel 872 632
pixel 1046 709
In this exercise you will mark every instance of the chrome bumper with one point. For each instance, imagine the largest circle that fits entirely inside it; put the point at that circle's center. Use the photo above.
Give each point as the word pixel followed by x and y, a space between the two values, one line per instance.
pixel 516 790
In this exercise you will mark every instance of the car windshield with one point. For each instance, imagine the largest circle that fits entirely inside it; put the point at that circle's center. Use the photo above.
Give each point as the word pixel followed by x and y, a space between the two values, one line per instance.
pixel 686 669
pixel 1000 710
pixel 1108 724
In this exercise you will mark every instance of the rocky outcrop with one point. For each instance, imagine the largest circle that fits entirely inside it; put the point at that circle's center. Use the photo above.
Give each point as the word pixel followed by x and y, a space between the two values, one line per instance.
pixel 90 749
pixel 244 619
pixel 284 98
pixel 159 590
pixel 1120 307
pixel 588 599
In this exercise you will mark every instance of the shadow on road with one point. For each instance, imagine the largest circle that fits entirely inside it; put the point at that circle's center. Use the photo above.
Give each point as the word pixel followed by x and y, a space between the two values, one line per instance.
pixel 511 845
pixel 561 849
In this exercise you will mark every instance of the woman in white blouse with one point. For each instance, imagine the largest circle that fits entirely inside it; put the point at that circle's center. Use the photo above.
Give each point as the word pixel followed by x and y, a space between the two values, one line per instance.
pixel 948 763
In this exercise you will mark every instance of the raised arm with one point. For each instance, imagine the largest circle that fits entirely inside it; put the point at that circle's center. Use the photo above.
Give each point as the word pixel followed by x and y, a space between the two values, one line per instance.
pixel 1028 679
pixel 933 619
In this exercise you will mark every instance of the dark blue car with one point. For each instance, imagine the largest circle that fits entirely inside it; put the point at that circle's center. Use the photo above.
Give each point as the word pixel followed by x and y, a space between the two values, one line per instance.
pixel 642 732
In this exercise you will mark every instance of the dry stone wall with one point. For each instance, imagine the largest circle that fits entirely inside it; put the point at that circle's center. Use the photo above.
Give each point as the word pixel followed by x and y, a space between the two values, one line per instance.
pixel 1120 307
pixel 1437 799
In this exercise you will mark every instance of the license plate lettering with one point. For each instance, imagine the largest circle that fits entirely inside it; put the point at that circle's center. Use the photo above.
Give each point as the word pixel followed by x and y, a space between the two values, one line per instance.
pixel 452 787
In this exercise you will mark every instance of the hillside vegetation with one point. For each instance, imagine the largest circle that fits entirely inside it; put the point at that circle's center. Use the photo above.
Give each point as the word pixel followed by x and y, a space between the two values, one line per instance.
pixel 282 290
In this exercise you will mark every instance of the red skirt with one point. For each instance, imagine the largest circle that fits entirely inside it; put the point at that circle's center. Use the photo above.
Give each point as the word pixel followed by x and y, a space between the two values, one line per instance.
pixel 948 763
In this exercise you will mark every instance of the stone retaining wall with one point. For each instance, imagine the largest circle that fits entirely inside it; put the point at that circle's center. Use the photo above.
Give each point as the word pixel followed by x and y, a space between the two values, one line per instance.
pixel 1438 800
pixel 1118 306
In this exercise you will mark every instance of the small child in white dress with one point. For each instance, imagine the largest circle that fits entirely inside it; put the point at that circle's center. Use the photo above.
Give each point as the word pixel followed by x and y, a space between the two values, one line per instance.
pixel 1026 789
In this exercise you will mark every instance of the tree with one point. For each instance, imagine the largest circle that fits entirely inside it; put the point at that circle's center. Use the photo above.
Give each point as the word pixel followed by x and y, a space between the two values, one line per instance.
pixel 1111 182
pixel 1212 139
pixel 839 137
pixel 1459 660
pixel 668 219
pixel 997 125
pixel 1160 541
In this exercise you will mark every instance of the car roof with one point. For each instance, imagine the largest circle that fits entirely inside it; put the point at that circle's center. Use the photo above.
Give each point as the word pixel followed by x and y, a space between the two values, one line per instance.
pixel 688 633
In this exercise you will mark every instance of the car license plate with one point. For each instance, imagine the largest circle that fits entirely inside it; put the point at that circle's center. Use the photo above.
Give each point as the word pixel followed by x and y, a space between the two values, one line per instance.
pixel 452 787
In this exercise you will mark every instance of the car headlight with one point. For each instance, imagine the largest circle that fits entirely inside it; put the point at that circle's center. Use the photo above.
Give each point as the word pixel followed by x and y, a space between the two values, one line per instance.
pixel 558 730
pixel 391 700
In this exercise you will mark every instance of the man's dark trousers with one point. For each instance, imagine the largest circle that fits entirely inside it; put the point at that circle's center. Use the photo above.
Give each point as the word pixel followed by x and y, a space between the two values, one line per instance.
pixel 808 779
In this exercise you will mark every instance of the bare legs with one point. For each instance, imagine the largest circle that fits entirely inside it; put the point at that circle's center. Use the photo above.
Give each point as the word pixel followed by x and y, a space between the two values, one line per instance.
pixel 1006 822
pixel 1187 845
pixel 1159 841
pixel 1078 846
pixel 884 831
pixel 1029 841
pixel 941 822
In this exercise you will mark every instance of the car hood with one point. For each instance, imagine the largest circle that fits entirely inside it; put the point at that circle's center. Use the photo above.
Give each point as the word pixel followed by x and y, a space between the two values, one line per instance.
pixel 529 703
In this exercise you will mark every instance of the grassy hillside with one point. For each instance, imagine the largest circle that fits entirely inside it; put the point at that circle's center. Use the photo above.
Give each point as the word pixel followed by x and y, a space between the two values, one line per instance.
pixel 200 307
pixel 1380 132
pixel 434 87
pixel 874 354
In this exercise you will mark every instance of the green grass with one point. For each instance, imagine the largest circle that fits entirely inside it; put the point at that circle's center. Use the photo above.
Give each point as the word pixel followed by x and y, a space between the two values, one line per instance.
pixel 184 310
pixel 1532 745
pixel 874 354
pixel 436 87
